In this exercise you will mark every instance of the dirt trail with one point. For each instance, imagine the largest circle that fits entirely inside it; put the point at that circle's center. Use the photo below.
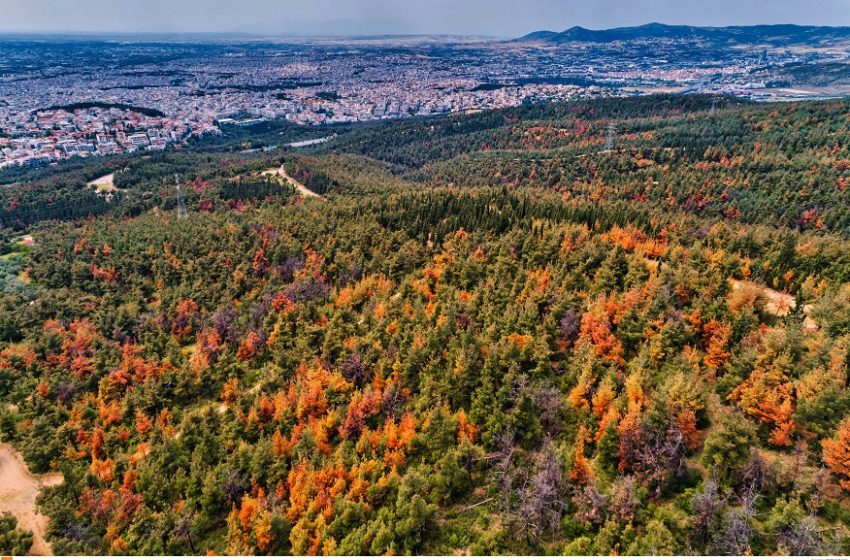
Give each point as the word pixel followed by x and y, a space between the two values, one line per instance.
pixel 18 490
pixel 281 172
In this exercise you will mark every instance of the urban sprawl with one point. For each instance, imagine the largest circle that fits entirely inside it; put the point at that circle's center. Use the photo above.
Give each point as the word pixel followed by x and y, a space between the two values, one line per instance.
pixel 83 98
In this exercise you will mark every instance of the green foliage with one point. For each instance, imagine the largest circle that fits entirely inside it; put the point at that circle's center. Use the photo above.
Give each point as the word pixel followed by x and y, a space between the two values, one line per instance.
pixel 13 541
pixel 728 445
pixel 486 337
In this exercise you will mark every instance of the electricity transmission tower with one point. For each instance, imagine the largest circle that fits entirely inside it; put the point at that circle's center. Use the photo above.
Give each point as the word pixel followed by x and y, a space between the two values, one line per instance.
pixel 714 101
pixel 609 141
pixel 182 213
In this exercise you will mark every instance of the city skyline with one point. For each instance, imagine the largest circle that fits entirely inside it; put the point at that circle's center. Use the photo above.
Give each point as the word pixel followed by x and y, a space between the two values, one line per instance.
pixel 376 17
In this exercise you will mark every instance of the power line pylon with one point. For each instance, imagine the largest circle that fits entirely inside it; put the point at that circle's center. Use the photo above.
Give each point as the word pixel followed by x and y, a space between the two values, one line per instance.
pixel 609 141
pixel 714 102
pixel 182 213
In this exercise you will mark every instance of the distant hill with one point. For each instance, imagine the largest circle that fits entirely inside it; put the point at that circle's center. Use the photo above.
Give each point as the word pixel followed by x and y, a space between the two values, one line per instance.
pixel 777 35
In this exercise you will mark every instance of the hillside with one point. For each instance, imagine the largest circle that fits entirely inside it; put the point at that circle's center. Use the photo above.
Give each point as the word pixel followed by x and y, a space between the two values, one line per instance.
pixel 774 35
pixel 488 335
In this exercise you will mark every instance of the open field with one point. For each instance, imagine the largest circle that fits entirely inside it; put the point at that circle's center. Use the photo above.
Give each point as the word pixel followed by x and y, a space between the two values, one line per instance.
pixel 104 184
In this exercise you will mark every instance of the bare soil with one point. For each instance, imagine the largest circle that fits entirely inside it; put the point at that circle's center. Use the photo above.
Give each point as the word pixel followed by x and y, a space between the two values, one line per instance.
pixel 281 172
pixel 104 184
pixel 18 490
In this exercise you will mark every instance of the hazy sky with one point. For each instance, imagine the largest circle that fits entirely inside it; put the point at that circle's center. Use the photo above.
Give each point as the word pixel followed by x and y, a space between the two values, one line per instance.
pixel 484 17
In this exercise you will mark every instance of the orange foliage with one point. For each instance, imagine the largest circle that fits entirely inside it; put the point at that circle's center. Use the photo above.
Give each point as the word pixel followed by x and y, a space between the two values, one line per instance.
pixel 745 295
pixel 578 397
pixel 97 441
pixel 768 396
pixel 143 423
pixel 423 288
pixel 596 330
pixel 716 339
pixel 581 473
pixel 99 505
pixel 632 239
pixel 43 389
pixel 629 428
pixel 309 390
pixel 252 518
pixel 230 392
pixel 134 368
pixel 13 357
pixel 313 263
pixel 263 531
pixel 314 491
pixel 812 218
pixel 686 421
pixel 836 454
pixel 610 418
pixel 164 418
pixel 536 283
pixel 206 352
pixel 350 296
pixel 361 407
pixel 118 546
pixel 77 347
pixel 603 398
pixel 260 263
pixel 104 274
pixel 520 340
pixel 104 470
pixel 81 244
pixel 109 413
pixel 246 511
pixel 283 303
pixel 466 430
pixel 142 451
pixel 250 347
pixel 187 310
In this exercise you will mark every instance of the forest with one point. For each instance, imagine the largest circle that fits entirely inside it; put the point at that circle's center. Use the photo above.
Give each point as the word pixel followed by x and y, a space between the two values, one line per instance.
pixel 489 335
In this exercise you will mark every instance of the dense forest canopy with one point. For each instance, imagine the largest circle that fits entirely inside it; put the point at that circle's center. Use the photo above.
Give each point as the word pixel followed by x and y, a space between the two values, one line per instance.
pixel 488 336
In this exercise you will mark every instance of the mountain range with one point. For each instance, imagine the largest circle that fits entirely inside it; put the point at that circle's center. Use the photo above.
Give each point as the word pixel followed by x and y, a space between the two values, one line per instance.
pixel 775 35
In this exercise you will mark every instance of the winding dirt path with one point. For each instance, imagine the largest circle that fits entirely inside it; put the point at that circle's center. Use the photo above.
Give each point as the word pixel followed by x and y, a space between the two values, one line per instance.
pixel 281 172
pixel 18 490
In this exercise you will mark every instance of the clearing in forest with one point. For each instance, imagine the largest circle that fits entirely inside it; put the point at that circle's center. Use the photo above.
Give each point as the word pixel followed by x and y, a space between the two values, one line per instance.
pixel 281 172
pixel 18 491
pixel 104 184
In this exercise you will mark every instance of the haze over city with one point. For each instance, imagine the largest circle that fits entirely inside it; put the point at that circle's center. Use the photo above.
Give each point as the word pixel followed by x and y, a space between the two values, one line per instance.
pixel 341 17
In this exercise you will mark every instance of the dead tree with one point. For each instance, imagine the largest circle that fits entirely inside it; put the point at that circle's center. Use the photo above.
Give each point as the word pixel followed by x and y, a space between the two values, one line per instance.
pixel 708 506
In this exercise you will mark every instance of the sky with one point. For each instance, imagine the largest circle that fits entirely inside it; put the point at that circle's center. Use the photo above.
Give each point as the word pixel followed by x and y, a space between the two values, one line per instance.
pixel 503 18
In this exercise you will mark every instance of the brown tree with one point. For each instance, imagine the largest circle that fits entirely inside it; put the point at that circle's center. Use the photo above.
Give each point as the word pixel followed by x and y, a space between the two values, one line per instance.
pixel 836 454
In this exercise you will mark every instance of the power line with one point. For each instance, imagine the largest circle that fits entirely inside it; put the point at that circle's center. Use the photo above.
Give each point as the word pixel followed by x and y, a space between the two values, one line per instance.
pixel 182 213
pixel 612 134
pixel 714 102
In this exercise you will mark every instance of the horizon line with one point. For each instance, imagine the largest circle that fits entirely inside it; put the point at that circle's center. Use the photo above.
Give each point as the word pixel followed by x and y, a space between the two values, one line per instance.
pixel 245 34
pixel 254 34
